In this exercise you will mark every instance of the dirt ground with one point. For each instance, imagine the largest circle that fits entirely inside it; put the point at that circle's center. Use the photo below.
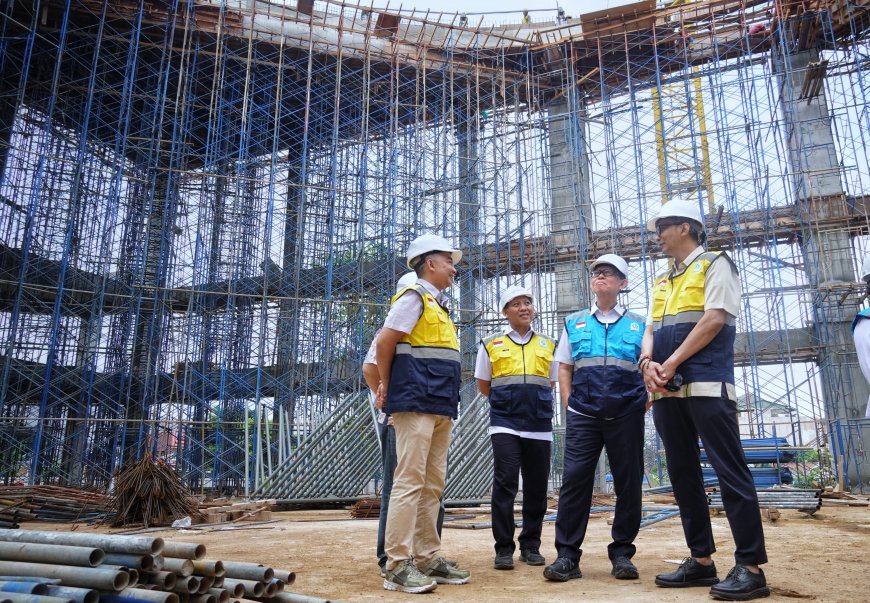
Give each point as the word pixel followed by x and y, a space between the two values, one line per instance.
pixel 821 558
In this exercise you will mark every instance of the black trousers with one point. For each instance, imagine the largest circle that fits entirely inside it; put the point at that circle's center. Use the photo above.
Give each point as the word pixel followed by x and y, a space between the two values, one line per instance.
pixel 513 455
pixel 585 437
pixel 679 422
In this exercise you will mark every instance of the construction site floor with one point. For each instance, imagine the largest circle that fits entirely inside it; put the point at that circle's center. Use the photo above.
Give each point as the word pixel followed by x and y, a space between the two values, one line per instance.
pixel 820 558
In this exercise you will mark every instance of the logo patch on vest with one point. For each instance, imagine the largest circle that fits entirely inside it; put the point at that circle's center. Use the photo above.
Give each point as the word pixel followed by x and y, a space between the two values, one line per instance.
pixel 634 326
pixel 697 266
pixel 542 343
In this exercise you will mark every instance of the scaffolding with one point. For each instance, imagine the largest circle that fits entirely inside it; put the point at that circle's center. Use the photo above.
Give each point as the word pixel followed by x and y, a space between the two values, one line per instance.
pixel 204 206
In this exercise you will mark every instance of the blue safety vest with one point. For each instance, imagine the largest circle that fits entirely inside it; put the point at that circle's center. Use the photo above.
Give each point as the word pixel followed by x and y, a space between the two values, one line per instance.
pixel 865 313
pixel 606 383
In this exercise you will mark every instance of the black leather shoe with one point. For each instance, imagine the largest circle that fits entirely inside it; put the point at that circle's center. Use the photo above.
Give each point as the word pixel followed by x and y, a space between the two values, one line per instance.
pixel 562 570
pixel 532 557
pixel 504 561
pixel 690 573
pixel 741 585
pixel 624 569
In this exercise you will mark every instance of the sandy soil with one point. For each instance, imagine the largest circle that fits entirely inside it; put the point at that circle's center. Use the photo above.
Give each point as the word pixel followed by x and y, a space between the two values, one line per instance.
pixel 821 558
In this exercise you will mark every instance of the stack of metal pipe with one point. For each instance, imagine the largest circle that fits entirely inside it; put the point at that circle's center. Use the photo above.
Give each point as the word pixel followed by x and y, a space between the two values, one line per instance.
pixel 67 567
pixel 807 501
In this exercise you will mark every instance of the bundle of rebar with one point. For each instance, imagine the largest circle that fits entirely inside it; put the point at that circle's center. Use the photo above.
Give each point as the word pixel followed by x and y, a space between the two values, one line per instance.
pixel 52 503
pixel 366 508
pixel 150 492
pixel 807 501
pixel 92 568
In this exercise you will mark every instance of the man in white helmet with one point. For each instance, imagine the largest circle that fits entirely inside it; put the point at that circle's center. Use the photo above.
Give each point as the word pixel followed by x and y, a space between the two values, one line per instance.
pixel 605 398
pixel 688 365
pixel 418 361
pixel 861 330
pixel 386 432
pixel 516 371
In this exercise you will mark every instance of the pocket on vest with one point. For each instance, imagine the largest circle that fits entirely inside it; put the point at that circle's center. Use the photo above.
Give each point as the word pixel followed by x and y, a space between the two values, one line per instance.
pixel 441 381
pixel 544 409
pixel 543 359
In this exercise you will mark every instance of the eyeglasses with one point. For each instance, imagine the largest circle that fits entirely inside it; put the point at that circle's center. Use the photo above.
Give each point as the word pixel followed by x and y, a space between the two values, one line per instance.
pixel 661 226
pixel 605 272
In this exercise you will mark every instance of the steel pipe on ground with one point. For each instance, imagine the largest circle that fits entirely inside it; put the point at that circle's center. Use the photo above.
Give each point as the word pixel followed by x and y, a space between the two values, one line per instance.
pixel 51 553
pixel 182 567
pixel 131 595
pixel 252 587
pixel 222 595
pixel 163 579
pixel 237 591
pixel 183 550
pixel 139 562
pixel 248 571
pixel 23 598
pixel 89 577
pixel 287 577
pixel 205 583
pixel 79 595
pixel 187 585
pixel 110 544
pixel 27 588
pixel 202 598
pixel 205 567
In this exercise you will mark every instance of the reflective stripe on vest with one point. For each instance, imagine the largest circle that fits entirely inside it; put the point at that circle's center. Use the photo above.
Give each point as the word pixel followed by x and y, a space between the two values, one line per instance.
pixel 520 395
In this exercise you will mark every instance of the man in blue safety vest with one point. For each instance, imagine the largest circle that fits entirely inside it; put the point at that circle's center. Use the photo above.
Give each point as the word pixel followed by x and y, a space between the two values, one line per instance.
pixel 515 370
pixel 688 364
pixel 417 355
pixel 861 330
pixel 605 398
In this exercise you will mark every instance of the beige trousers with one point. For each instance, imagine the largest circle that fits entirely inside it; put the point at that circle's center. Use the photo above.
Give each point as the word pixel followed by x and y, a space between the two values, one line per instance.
pixel 421 452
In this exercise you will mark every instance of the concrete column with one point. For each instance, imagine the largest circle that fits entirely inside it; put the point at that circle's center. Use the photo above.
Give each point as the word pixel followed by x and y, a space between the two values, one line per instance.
pixel 570 211
pixel 827 256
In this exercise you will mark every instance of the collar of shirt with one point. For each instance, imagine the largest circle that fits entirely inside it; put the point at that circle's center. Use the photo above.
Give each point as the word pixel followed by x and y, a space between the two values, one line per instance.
pixel 681 267
pixel 516 337
pixel 438 295
pixel 608 316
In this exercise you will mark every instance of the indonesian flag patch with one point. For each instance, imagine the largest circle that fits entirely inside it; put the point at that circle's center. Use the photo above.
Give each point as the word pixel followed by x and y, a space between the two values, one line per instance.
pixel 497 343
pixel 581 325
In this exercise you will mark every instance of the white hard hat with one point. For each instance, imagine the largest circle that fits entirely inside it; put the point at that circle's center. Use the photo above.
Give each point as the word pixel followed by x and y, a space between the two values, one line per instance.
pixel 865 267
pixel 513 292
pixel 430 242
pixel 613 260
pixel 677 208
pixel 407 279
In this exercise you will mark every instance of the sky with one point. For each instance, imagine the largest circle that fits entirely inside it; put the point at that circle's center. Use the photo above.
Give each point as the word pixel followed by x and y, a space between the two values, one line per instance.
pixel 496 7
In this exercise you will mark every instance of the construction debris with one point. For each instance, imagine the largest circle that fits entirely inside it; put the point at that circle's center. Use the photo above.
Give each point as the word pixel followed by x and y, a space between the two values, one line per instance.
pixel 150 492
pixel 50 503
pixel 366 508
pixel 59 566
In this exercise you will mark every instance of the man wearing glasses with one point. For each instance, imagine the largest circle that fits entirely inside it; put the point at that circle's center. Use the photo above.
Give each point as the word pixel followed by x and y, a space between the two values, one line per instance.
pixel 605 397
pixel 688 364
